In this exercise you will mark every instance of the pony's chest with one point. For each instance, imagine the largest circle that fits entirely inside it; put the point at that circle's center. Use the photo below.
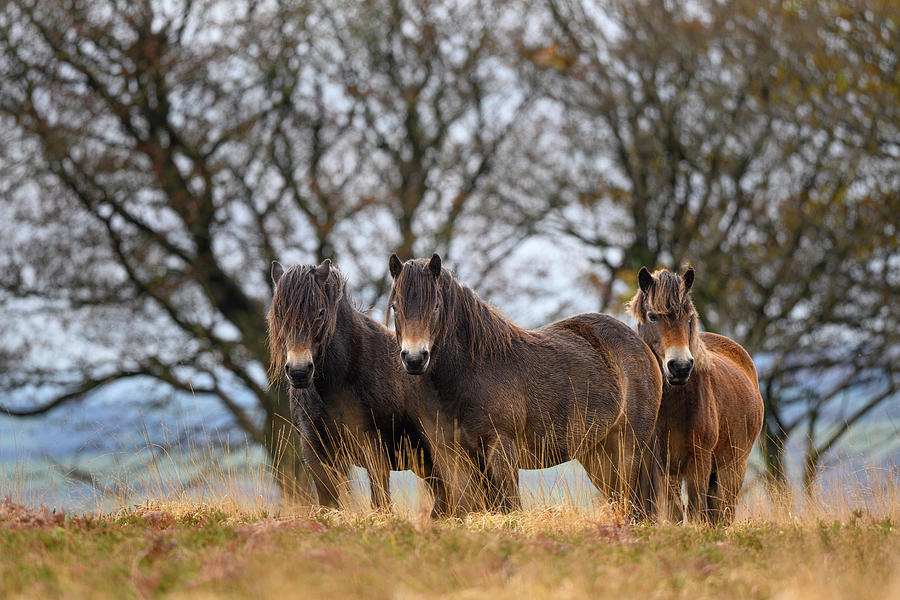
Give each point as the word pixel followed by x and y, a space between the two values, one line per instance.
pixel 332 413
pixel 686 417
pixel 347 408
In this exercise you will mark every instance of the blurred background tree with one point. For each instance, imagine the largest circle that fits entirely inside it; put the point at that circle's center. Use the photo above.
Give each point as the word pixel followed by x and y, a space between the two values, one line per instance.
pixel 157 156
pixel 753 139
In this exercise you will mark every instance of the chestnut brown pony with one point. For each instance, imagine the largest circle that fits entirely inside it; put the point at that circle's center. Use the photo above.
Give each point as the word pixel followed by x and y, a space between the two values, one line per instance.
pixel 711 411
pixel 350 401
pixel 584 387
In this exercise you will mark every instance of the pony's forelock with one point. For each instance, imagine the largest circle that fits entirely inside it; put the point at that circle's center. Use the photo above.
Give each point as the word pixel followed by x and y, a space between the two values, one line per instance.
pixel 669 295
pixel 295 311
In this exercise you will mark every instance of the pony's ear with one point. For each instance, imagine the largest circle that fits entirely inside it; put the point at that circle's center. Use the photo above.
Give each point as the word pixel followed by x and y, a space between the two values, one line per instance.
pixel 395 266
pixel 688 279
pixel 645 280
pixel 277 271
pixel 323 270
pixel 434 265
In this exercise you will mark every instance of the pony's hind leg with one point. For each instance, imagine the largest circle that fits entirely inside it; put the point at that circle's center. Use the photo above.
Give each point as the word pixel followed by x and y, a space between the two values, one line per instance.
pixel 667 478
pixel 435 484
pixel 621 471
pixel 722 498
pixel 450 489
pixel 502 469
pixel 610 470
pixel 600 470
pixel 441 507
pixel 636 465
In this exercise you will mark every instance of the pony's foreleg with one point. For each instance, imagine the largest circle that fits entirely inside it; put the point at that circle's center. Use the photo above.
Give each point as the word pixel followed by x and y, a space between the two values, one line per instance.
pixel 325 472
pixel 372 455
pixel 673 509
pixel 696 477
pixel 502 465
pixel 439 492
pixel 448 471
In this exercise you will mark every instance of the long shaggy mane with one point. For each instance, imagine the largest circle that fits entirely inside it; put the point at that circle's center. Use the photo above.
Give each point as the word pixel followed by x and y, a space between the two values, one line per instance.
pixel 488 332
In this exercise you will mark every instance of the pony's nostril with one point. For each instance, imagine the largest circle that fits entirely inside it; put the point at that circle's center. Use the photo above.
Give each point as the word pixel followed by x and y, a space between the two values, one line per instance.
pixel 680 368
pixel 404 354
pixel 287 369
pixel 300 372
pixel 424 355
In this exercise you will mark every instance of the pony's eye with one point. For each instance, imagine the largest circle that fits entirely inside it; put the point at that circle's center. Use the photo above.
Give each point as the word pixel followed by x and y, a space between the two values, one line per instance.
pixel 437 308
pixel 321 313
pixel 652 317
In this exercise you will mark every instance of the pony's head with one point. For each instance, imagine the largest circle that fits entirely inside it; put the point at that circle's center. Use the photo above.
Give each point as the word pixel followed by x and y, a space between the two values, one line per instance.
pixel 302 319
pixel 417 303
pixel 667 322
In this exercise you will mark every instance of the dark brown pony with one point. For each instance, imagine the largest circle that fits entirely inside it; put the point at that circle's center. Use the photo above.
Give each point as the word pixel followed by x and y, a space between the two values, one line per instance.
pixel 711 411
pixel 350 401
pixel 584 387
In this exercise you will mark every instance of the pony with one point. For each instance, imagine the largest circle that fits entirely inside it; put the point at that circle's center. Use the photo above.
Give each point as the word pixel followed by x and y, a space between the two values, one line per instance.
pixel 711 412
pixel 585 387
pixel 351 403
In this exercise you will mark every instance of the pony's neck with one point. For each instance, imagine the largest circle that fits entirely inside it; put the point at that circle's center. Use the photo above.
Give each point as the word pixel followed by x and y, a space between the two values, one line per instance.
pixel 698 347
pixel 334 361
pixel 477 332
pixel 701 354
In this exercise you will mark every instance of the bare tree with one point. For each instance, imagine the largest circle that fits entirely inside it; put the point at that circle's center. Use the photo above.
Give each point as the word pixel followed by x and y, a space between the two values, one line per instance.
pixel 441 111
pixel 752 141
pixel 159 156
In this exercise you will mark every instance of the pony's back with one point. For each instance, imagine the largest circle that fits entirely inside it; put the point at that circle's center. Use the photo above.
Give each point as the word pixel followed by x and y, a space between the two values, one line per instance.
pixel 731 350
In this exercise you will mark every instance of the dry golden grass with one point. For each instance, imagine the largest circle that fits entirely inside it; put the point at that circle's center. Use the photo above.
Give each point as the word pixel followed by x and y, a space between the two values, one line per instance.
pixel 200 551
pixel 226 535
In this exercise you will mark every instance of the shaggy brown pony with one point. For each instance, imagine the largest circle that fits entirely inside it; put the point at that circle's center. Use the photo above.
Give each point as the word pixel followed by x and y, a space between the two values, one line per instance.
pixel 711 411
pixel 350 401
pixel 584 387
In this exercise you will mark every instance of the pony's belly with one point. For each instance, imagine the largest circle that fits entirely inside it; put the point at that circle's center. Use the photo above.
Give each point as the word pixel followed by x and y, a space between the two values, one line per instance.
pixel 543 449
pixel 549 442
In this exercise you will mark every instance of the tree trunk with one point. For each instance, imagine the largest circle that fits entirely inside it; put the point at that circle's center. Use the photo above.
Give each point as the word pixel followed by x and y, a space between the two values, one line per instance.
pixel 810 471
pixel 773 441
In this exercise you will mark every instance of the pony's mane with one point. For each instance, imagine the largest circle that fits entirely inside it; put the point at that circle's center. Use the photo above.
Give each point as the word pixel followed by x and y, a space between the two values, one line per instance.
pixel 489 333
pixel 668 295
pixel 296 304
